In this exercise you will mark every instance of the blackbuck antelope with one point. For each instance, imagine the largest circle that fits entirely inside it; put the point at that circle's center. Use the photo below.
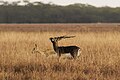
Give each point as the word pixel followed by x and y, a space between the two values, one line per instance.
pixel 73 50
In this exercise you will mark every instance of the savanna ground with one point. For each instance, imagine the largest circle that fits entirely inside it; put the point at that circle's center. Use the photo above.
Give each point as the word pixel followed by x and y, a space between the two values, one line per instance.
pixel 99 60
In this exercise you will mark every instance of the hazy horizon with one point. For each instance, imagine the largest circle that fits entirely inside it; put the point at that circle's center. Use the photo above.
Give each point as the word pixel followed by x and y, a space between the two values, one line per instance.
pixel 97 3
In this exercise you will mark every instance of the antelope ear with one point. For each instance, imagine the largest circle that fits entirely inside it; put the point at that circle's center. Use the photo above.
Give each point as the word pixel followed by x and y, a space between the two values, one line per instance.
pixel 50 38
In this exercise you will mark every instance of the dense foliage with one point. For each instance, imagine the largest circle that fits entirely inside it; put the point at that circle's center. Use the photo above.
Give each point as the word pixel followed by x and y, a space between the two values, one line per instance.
pixel 51 13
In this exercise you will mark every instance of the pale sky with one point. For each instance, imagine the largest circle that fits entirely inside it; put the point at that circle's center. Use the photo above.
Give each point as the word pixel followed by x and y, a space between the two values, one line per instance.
pixel 112 3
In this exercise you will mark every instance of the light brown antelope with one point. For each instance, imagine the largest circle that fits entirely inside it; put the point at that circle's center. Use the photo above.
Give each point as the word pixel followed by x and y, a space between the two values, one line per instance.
pixel 73 50
pixel 35 50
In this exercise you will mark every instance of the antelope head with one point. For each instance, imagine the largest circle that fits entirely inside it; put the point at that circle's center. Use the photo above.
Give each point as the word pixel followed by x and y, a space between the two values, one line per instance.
pixel 55 39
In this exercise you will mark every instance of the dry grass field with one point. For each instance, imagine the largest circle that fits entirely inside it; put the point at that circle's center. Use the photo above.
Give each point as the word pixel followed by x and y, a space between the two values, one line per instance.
pixel 99 60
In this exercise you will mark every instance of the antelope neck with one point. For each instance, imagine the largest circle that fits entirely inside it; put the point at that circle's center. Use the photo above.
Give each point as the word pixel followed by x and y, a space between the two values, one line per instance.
pixel 55 45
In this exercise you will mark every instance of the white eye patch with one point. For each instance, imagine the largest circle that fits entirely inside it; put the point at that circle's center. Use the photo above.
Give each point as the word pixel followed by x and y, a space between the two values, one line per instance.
pixel 52 40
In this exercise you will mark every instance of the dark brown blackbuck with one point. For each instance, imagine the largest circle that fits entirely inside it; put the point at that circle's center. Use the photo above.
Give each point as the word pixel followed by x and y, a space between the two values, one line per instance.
pixel 73 50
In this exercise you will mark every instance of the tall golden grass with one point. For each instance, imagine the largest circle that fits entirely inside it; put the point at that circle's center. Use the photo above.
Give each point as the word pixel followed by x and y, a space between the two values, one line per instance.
pixel 99 60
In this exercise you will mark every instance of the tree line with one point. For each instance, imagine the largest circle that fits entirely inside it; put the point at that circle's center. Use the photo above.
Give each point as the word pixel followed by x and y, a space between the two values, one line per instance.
pixel 39 12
